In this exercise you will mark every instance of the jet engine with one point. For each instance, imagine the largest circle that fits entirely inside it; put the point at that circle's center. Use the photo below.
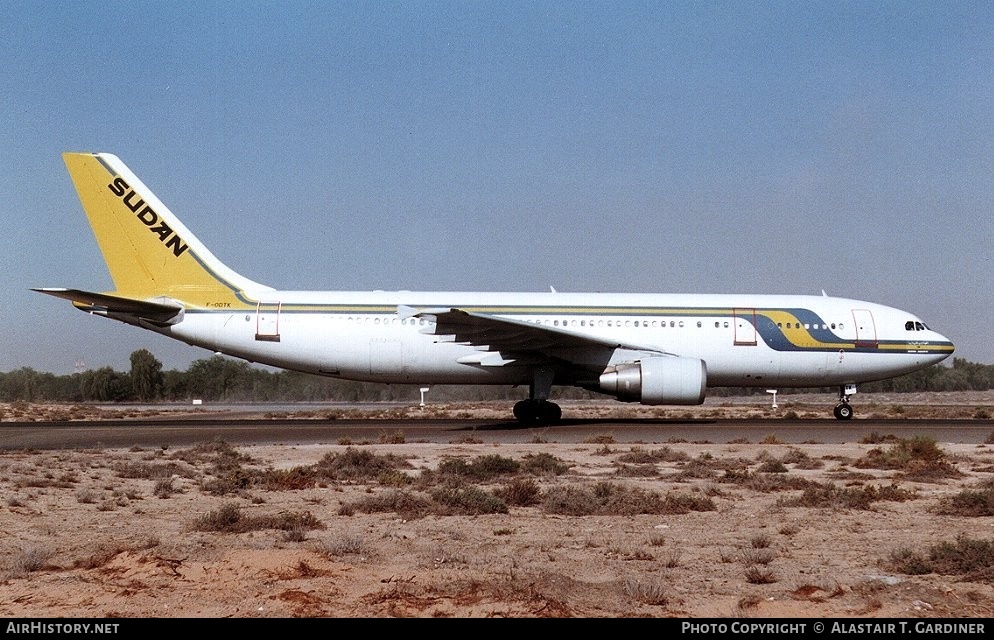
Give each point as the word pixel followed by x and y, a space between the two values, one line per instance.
pixel 658 380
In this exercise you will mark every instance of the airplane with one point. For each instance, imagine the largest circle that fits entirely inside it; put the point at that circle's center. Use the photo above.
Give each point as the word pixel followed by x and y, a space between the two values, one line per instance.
pixel 653 349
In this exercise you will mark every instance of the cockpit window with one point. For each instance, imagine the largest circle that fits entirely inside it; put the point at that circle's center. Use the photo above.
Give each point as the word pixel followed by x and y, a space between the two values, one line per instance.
pixel 909 325
pixel 915 325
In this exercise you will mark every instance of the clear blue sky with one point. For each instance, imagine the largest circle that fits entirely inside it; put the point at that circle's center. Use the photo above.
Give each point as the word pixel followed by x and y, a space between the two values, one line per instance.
pixel 592 146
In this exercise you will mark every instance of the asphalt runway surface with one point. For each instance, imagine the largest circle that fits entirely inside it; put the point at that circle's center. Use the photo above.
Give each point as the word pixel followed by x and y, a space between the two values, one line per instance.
pixel 175 432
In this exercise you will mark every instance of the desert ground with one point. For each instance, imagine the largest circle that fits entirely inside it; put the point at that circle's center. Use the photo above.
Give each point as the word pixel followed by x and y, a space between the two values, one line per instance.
pixel 877 527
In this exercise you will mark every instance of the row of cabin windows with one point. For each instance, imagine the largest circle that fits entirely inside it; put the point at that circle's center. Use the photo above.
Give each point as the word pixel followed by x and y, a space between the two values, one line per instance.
pixel 798 325
pixel 718 324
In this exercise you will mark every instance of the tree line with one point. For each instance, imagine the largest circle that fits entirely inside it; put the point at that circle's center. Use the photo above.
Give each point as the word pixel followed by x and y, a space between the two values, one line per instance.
pixel 221 379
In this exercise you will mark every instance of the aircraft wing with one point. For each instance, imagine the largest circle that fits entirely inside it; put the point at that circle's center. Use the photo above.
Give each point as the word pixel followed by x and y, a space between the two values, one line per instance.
pixel 515 336
pixel 106 304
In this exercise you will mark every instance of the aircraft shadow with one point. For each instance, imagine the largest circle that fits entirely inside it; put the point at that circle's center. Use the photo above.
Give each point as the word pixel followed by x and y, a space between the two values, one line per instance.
pixel 512 425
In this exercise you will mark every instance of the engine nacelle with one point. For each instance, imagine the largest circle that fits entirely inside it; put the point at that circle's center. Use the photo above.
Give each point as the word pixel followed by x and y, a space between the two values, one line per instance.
pixel 657 381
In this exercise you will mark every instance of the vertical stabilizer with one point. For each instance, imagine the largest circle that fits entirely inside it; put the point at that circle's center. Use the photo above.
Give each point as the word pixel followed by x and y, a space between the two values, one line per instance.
pixel 148 251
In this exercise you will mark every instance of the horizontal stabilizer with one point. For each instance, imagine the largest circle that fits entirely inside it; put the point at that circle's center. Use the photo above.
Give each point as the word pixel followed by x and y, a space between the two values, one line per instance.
pixel 103 303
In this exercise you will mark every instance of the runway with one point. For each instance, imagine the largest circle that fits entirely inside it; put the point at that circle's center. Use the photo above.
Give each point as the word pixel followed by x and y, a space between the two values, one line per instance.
pixel 174 432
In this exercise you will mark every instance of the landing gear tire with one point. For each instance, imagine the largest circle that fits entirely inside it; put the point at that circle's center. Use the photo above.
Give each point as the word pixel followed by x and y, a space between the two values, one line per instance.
pixel 843 411
pixel 537 412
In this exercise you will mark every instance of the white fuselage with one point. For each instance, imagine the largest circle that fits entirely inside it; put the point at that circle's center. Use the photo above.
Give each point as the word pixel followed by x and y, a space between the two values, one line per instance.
pixel 745 340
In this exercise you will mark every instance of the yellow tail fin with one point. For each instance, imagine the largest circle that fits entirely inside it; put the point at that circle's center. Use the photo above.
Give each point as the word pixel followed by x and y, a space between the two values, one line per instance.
pixel 150 254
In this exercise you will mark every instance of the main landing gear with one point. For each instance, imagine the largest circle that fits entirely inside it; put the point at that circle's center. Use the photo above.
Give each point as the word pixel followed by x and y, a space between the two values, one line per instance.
pixel 534 411
pixel 537 409
pixel 843 410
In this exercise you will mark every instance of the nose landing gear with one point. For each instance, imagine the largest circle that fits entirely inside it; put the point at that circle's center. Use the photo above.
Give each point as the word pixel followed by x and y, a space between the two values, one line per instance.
pixel 843 410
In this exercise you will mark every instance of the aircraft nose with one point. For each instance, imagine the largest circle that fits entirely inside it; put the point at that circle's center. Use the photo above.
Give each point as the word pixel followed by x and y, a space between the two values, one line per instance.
pixel 947 351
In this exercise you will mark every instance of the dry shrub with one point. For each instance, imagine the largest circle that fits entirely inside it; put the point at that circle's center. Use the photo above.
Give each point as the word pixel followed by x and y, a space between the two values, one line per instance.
pixel 605 438
pixel 470 501
pixel 163 488
pixel 760 556
pixel 343 545
pixel 520 492
pixel 759 575
pixel 229 519
pixel 973 503
pixel 918 457
pixel 875 438
pixel 831 496
pixel 394 478
pixel 354 465
pixel 638 455
pixel 30 560
pixel 801 460
pixel 452 471
pixel 672 559
pixel 396 437
pixel 606 498
pixel 702 467
pixel 152 471
pixel 636 471
pixel 772 466
pixel 543 464
pixel 215 451
pixel 761 541
pixel 765 482
pixel 291 479
pixel 929 471
pixel 971 559
pixel 651 593
pixel 403 503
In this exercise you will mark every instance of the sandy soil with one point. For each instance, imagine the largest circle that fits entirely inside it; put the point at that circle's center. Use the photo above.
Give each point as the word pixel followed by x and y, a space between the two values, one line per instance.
pixel 124 533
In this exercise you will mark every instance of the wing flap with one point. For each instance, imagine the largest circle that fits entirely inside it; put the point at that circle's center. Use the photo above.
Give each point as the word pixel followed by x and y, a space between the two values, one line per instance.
pixel 491 333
